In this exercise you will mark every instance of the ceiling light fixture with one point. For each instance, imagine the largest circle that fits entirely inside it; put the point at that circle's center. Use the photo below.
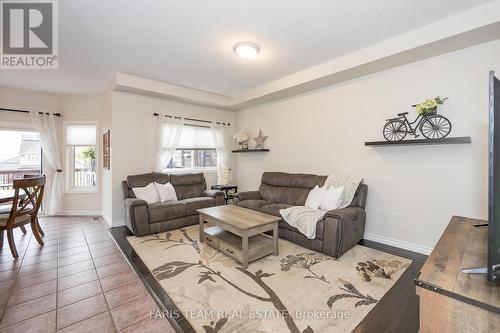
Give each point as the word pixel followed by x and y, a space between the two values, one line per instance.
pixel 246 50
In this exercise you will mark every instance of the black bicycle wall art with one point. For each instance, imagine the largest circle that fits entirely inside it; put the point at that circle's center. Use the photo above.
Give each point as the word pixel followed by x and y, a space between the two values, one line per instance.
pixel 428 122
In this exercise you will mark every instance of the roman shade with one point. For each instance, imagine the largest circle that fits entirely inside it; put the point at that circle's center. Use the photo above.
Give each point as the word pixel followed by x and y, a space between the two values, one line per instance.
pixel 81 135
pixel 196 137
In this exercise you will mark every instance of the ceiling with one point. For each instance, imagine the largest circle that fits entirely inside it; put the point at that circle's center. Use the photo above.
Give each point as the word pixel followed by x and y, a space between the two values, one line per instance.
pixel 189 43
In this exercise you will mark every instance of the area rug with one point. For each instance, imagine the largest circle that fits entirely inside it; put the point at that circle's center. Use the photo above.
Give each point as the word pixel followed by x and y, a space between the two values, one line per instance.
pixel 297 291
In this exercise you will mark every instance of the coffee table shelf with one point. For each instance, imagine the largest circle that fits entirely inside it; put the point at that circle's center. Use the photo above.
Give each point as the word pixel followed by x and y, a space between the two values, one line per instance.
pixel 230 244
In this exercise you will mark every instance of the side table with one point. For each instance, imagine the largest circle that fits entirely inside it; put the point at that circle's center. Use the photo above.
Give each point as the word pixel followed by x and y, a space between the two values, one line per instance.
pixel 228 190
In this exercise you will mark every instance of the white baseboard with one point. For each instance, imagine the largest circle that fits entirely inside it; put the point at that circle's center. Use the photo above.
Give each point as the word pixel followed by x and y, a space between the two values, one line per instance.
pixel 83 212
pixel 106 219
pixel 110 222
pixel 397 243
pixel 118 223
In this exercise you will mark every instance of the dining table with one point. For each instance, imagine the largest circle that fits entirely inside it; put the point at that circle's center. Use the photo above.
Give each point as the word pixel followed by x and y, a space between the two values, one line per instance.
pixel 6 196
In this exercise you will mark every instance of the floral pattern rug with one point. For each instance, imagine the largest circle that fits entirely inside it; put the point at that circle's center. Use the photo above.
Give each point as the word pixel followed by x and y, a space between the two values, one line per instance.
pixel 297 291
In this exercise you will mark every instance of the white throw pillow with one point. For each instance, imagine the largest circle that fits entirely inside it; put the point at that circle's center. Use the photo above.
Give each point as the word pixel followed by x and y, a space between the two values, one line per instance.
pixel 332 198
pixel 147 193
pixel 166 192
pixel 314 198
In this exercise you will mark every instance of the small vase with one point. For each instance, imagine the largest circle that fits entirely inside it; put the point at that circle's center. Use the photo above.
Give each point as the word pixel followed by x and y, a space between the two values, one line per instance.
pixel 243 145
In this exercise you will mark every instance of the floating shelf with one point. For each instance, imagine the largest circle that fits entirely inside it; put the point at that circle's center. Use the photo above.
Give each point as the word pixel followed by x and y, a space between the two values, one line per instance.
pixel 249 150
pixel 421 142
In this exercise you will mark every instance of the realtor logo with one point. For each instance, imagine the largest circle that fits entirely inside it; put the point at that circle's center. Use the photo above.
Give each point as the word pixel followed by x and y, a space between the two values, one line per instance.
pixel 29 34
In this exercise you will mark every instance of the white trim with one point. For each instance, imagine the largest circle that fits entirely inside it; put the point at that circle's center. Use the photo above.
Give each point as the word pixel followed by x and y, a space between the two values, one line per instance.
pixel 118 223
pixel 398 243
pixel 190 170
pixel 107 219
pixel 16 126
pixel 82 191
pixel 82 212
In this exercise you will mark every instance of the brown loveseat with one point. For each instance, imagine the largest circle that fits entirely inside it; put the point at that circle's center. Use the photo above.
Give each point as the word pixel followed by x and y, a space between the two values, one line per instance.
pixel 192 194
pixel 336 233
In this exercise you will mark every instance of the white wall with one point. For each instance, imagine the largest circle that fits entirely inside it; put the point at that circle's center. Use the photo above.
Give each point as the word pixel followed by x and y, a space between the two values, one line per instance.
pixel 133 133
pixel 73 108
pixel 107 175
pixel 324 131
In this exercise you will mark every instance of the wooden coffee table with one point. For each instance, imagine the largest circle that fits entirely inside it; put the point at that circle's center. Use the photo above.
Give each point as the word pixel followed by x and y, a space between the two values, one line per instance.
pixel 238 232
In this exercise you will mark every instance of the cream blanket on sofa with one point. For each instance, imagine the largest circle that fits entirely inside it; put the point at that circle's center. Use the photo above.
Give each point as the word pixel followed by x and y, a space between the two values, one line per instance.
pixel 305 219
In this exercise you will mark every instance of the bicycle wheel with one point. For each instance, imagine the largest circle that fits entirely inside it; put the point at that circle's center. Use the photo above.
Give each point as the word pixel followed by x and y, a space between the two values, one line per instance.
pixel 435 127
pixel 395 130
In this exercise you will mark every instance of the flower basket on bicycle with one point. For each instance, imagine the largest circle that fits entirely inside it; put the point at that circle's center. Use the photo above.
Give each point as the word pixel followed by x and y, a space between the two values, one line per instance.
pixel 430 112
pixel 431 124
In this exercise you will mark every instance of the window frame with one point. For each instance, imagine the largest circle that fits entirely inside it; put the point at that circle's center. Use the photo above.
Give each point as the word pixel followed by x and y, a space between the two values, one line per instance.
pixel 195 169
pixel 69 160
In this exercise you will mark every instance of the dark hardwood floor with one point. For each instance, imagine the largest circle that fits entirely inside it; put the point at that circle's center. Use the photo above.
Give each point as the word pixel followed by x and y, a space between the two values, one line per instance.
pixel 397 311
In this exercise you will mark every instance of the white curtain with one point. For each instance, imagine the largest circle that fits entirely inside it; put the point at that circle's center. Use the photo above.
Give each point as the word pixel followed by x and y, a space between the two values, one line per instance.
pixel 46 126
pixel 222 139
pixel 168 134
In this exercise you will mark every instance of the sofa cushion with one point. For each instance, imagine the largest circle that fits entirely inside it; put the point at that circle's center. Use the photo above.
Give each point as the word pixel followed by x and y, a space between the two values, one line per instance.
pixel 320 226
pixel 166 192
pixel 188 185
pixel 192 204
pixel 300 185
pixel 301 240
pixel 274 209
pixel 166 211
pixel 281 179
pixel 147 193
pixel 297 196
pixel 145 179
pixel 304 180
pixel 187 179
pixel 273 193
pixel 253 204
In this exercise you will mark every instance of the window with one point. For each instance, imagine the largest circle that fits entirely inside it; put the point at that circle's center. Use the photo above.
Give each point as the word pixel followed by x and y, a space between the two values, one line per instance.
pixel 20 156
pixel 81 157
pixel 196 150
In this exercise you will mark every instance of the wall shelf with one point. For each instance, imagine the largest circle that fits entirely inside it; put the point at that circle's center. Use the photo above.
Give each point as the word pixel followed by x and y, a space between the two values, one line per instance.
pixel 421 142
pixel 250 150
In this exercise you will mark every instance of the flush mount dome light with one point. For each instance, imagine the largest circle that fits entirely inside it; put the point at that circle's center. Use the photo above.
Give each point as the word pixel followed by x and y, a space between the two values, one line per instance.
pixel 246 50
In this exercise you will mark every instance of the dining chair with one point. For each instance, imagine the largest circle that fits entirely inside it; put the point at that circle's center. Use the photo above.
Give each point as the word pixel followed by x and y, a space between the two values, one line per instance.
pixel 23 229
pixel 28 195
pixel 6 208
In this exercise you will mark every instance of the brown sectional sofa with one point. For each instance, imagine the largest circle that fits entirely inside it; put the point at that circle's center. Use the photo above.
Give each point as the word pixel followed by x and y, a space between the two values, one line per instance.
pixel 192 194
pixel 338 232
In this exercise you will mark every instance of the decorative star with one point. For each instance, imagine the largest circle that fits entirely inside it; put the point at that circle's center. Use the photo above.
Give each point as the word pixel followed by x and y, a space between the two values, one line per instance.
pixel 259 140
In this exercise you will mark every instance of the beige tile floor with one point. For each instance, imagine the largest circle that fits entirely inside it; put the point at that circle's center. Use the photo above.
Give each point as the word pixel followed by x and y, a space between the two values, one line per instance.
pixel 78 282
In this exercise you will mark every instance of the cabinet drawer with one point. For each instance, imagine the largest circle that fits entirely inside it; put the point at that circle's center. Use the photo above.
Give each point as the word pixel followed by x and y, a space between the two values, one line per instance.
pixel 211 240
pixel 230 250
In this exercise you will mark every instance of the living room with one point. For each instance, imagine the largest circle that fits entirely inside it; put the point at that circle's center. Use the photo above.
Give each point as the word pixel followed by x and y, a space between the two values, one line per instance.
pixel 162 130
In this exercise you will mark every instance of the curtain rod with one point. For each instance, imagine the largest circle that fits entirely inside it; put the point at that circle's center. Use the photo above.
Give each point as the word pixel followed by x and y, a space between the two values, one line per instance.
pixel 26 111
pixel 193 119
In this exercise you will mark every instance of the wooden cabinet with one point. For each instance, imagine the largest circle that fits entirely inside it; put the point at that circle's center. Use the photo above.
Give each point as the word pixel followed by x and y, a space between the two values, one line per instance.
pixel 452 301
